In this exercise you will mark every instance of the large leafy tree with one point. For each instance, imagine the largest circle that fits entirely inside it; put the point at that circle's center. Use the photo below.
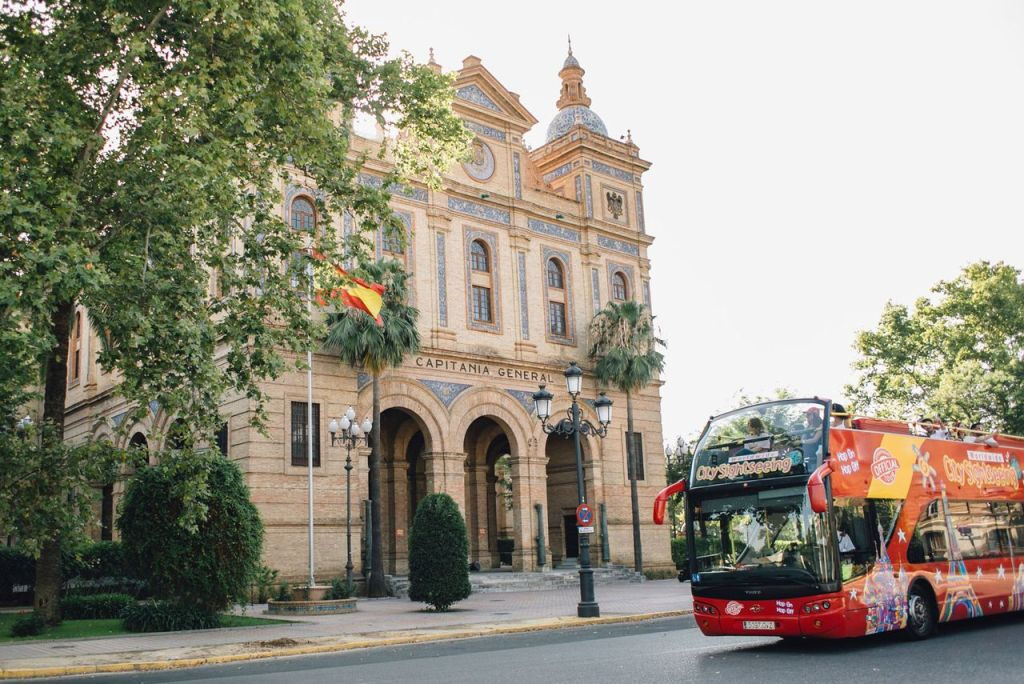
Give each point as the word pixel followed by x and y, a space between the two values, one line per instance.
pixel 625 352
pixel 361 343
pixel 144 146
pixel 958 353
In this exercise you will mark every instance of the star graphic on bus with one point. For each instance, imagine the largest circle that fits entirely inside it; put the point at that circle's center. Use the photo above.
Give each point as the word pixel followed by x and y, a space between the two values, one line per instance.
pixel 978 572
pixel 938 575
pixel 901 535
pixel 853 594
pixel 1001 572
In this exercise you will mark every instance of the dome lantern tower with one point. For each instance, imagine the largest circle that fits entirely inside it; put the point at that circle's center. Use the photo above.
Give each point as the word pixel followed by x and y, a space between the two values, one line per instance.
pixel 573 103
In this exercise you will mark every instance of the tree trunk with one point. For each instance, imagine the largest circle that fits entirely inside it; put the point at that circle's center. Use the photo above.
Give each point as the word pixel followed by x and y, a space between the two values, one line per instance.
pixel 48 579
pixel 376 587
pixel 638 553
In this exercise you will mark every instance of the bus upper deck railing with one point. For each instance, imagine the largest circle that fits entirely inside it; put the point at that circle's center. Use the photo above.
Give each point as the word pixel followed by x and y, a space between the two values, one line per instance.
pixel 919 428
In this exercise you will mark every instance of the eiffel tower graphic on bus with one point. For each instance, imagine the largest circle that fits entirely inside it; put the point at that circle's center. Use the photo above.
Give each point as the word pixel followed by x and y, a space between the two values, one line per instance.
pixel 958 584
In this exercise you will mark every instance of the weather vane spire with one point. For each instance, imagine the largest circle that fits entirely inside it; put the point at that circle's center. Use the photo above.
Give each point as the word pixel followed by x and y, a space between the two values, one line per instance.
pixel 570 43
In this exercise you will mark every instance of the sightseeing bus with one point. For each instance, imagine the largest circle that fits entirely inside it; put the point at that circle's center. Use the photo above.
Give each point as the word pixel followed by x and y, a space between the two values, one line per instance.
pixel 799 528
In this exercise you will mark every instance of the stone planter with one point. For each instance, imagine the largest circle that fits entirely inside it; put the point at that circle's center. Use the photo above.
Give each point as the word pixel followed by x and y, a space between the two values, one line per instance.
pixel 317 592
pixel 321 607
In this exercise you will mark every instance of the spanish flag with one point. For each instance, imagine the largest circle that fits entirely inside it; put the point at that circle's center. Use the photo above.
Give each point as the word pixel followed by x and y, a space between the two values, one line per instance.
pixel 353 292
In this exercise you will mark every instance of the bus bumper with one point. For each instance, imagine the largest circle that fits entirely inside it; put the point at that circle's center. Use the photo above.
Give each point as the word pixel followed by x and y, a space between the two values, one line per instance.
pixel 784 618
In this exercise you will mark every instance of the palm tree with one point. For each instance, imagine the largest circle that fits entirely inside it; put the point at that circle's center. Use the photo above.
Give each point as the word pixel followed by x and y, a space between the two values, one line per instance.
pixel 360 342
pixel 625 353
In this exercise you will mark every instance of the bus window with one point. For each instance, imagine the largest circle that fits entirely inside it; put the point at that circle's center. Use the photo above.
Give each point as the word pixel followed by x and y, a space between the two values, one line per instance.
pixel 928 543
pixel 853 529
pixel 1016 525
pixel 975 529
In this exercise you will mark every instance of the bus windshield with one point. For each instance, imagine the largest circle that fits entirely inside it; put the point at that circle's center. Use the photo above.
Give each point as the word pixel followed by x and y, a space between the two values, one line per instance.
pixel 758 442
pixel 768 537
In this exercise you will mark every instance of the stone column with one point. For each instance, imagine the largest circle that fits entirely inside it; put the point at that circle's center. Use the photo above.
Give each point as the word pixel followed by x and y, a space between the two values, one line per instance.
pixel 445 472
pixel 399 492
pixel 528 487
pixel 491 518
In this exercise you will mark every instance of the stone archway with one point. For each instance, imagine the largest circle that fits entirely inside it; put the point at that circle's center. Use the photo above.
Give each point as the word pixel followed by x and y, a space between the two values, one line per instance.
pixel 488 504
pixel 405 443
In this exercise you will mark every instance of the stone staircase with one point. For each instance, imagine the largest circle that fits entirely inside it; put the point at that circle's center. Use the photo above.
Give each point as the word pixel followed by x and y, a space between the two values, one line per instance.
pixel 561 576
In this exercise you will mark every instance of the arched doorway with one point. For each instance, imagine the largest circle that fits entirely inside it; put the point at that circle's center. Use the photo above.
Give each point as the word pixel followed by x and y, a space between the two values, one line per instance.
pixel 488 487
pixel 563 497
pixel 404 445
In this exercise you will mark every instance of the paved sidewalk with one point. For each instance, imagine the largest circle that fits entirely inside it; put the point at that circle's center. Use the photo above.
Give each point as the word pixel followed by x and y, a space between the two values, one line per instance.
pixel 377 622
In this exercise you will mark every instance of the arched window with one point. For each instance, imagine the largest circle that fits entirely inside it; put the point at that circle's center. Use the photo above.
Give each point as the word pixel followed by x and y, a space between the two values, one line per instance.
pixel 556 278
pixel 478 259
pixel 619 290
pixel 303 214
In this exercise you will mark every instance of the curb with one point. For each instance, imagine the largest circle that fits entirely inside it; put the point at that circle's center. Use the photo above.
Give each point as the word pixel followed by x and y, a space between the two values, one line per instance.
pixel 152 665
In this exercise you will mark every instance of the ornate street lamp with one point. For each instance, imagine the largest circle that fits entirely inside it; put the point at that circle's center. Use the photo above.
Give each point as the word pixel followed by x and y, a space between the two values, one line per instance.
pixel 574 426
pixel 350 434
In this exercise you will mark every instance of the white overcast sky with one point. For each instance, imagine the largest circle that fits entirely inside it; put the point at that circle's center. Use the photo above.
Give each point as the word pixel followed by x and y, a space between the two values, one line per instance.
pixel 812 160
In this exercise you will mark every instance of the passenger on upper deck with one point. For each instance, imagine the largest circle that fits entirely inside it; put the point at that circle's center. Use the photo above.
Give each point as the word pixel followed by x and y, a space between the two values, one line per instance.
pixel 812 435
pixel 977 436
pixel 939 430
pixel 840 418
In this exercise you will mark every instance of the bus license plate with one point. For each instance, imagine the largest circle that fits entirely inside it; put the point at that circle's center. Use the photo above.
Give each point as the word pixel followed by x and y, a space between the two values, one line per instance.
pixel 758 624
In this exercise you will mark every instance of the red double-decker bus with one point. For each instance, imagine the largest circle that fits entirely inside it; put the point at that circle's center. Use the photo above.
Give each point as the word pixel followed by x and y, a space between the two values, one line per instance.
pixel 799 528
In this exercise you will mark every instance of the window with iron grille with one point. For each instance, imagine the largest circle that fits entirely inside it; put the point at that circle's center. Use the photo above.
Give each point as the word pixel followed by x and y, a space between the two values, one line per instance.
pixel 300 431
pixel 482 304
pixel 638 455
pixel 556 318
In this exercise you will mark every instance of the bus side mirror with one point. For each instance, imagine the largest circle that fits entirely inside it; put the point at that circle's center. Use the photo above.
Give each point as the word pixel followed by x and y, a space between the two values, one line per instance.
pixel 661 501
pixel 816 488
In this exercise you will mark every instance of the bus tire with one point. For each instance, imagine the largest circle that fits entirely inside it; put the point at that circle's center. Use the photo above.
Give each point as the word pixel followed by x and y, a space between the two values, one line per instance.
pixel 922 613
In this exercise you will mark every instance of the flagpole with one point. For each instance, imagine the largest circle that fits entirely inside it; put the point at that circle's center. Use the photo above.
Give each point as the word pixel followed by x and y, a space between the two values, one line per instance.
pixel 309 421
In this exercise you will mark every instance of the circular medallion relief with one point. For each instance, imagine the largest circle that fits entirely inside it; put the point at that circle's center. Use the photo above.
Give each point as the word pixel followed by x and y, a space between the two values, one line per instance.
pixel 481 162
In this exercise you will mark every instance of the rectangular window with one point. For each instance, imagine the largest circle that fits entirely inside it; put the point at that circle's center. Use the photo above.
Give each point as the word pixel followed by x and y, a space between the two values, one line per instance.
pixel 928 543
pixel 481 304
pixel 300 431
pixel 222 438
pixel 976 527
pixel 107 513
pixel 76 348
pixel 556 318
pixel 638 455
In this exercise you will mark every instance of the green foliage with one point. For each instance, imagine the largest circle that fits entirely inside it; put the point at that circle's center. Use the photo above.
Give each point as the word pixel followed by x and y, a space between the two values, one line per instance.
pixel 339 589
pixel 659 574
pixel 95 606
pixel 624 346
pixel 34 468
pixel 167 616
pixel 264 581
pixel 29 625
pixel 680 555
pixel 957 354
pixel 284 592
pixel 208 566
pixel 143 148
pixel 359 341
pixel 438 553
pixel 95 560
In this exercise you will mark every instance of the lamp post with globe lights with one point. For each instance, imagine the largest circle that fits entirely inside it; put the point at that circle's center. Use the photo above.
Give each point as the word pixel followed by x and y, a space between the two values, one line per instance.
pixel 574 426
pixel 350 434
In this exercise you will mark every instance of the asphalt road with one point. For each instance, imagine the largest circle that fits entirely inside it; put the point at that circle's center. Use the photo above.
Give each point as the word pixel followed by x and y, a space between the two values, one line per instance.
pixel 986 651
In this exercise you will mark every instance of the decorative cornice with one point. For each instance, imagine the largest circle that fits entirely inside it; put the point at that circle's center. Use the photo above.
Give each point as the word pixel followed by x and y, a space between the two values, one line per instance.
pixel 479 210
pixel 554 230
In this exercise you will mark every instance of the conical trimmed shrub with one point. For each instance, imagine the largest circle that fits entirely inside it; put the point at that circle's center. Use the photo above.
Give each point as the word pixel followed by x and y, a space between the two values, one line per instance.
pixel 438 553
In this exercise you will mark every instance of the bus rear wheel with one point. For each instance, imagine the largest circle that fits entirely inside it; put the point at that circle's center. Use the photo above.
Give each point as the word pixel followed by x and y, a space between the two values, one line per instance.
pixel 922 614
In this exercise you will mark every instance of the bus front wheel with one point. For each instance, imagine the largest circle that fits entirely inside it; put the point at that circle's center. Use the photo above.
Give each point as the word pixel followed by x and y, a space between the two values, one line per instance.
pixel 922 614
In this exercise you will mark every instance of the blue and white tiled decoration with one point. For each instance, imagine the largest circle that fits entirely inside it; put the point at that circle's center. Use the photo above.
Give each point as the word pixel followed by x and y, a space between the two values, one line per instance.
pixel 647 292
pixel 523 397
pixel 524 315
pixel 154 407
pixel 590 198
pixel 493 133
pixel 442 284
pixel 479 210
pixel 579 189
pixel 601 167
pixel 481 166
pixel 517 175
pixel 566 119
pixel 413 193
pixel 445 391
pixel 618 245
pixel 557 173
pixel 640 211
pixel 538 226
pixel 595 284
pixel 362 380
pixel 118 419
pixel 472 93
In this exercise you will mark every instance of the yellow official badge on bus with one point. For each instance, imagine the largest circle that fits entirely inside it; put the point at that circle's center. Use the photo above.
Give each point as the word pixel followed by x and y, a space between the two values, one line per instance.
pixel 892 466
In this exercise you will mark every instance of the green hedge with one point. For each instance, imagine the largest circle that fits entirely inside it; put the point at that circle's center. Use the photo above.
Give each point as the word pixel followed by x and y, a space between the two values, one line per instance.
pixel 438 553
pixel 164 616
pixel 680 555
pixel 86 567
pixel 29 625
pixel 95 606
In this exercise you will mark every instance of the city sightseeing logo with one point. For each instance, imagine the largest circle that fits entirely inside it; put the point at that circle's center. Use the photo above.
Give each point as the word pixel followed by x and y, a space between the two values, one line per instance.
pixel 884 466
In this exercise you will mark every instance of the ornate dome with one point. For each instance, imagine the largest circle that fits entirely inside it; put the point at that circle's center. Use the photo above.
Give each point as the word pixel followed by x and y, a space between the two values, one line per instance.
pixel 566 119
pixel 570 61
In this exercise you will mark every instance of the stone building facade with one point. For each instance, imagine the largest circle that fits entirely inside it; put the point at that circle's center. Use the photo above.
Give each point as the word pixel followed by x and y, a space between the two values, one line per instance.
pixel 511 260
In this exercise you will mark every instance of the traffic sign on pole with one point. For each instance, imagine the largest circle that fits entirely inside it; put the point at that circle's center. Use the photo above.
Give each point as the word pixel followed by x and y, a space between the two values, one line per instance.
pixel 584 515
